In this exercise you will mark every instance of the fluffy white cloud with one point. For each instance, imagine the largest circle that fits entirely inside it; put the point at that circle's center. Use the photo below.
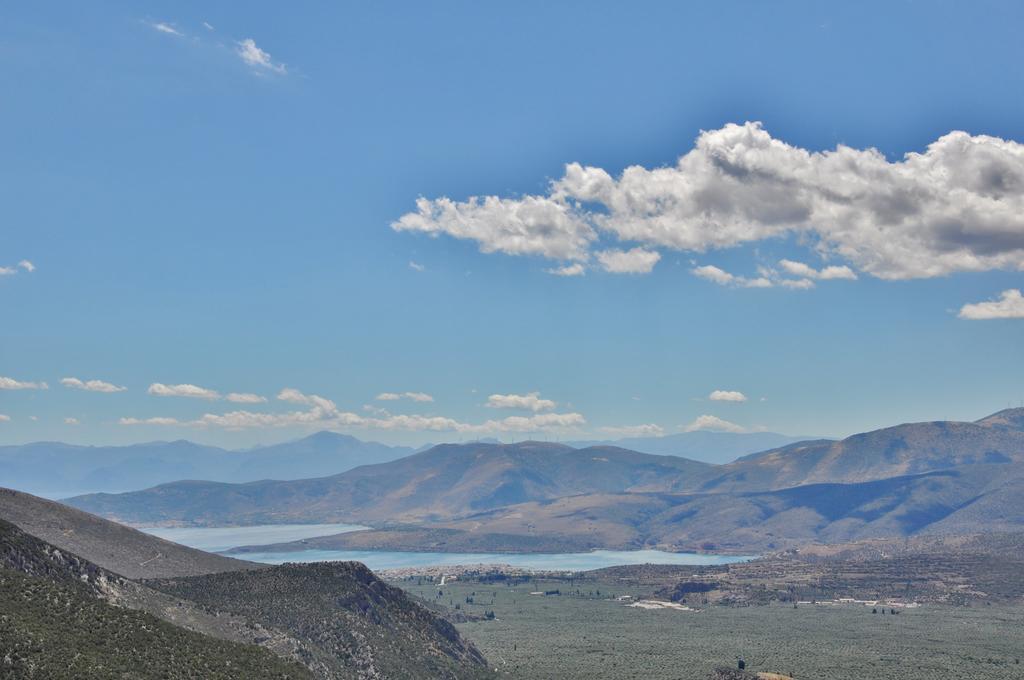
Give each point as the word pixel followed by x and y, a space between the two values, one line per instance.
pixel 183 390
pixel 252 55
pixel 646 430
pixel 826 273
pixel 416 266
pixel 4 418
pixel 522 402
pixel 91 385
pixel 1010 305
pixel 166 28
pixel 71 421
pixel 575 269
pixel 245 398
pixel 529 226
pixel 414 396
pixel 713 424
pixel 633 261
pixel 957 206
pixel 27 266
pixel 8 271
pixel 12 384
pixel 148 421
pixel 727 395
pixel 724 278
pixel 208 26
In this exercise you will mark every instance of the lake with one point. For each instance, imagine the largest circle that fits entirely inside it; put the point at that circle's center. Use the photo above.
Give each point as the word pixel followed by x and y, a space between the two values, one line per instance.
pixel 219 539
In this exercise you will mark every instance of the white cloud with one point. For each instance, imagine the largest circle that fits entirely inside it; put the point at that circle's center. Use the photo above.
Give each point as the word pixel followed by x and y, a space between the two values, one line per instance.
pixel 713 424
pixel 395 396
pixel 183 390
pixel 522 402
pixel 806 271
pixel 633 261
pixel 166 28
pixel 323 413
pixel 956 206
pixel 91 385
pixel 4 418
pixel 416 266
pixel 727 395
pixel 575 269
pixel 1010 305
pixel 528 226
pixel 8 271
pixel 257 58
pixel 207 26
pixel 245 398
pixel 12 384
pixel 724 278
pixel 71 421
pixel 27 266
pixel 646 430
pixel 148 421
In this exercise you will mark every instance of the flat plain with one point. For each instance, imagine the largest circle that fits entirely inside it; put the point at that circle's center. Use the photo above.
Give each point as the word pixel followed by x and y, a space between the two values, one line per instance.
pixel 587 631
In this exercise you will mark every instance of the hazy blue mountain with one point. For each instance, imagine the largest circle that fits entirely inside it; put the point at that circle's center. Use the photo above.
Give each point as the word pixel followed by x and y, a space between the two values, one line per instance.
pixel 54 469
pixel 613 497
pixel 708 447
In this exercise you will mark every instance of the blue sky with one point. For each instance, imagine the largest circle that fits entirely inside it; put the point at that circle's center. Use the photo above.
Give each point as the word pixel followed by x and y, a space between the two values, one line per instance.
pixel 207 196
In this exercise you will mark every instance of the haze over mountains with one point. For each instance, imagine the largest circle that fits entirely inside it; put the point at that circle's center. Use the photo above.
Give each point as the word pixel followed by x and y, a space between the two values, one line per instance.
pixel 58 470
pixel 908 479
pixel 54 469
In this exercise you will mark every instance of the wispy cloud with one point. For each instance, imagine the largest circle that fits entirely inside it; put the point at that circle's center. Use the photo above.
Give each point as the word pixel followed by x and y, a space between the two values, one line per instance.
pixel 413 396
pixel 727 395
pixel 12 384
pixel 71 421
pixel 252 55
pixel 166 28
pixel 183 390
pixel 521 402
pixel 710 272
pixel 576 269
pixel 416 266
pixel 324 413
pixel 149 421
pixel 245 398
pixel 91 385
pixel 646 430
pixel 4 418
pixel 1009 305
pixel 713 424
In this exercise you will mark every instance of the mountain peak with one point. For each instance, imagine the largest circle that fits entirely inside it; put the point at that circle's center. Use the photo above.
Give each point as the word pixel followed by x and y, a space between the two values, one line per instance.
pixel 1007 419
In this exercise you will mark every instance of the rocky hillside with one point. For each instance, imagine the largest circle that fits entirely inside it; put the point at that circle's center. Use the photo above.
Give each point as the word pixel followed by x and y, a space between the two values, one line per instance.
pixel 354 624
pixel 58 630
pixel 115 547
pixel 337 619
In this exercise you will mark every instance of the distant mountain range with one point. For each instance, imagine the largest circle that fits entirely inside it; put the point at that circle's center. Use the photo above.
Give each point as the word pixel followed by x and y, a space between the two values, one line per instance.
pixel 707 447
pixel 55 470
pixel 903 480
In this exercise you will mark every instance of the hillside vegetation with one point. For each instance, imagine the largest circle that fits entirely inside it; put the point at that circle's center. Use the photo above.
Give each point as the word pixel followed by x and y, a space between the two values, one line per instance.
pixel 57 630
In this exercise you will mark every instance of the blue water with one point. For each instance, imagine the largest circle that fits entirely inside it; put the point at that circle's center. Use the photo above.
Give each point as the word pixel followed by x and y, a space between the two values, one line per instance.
pixel 216 539
pixel 389 559
pixel 219 539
